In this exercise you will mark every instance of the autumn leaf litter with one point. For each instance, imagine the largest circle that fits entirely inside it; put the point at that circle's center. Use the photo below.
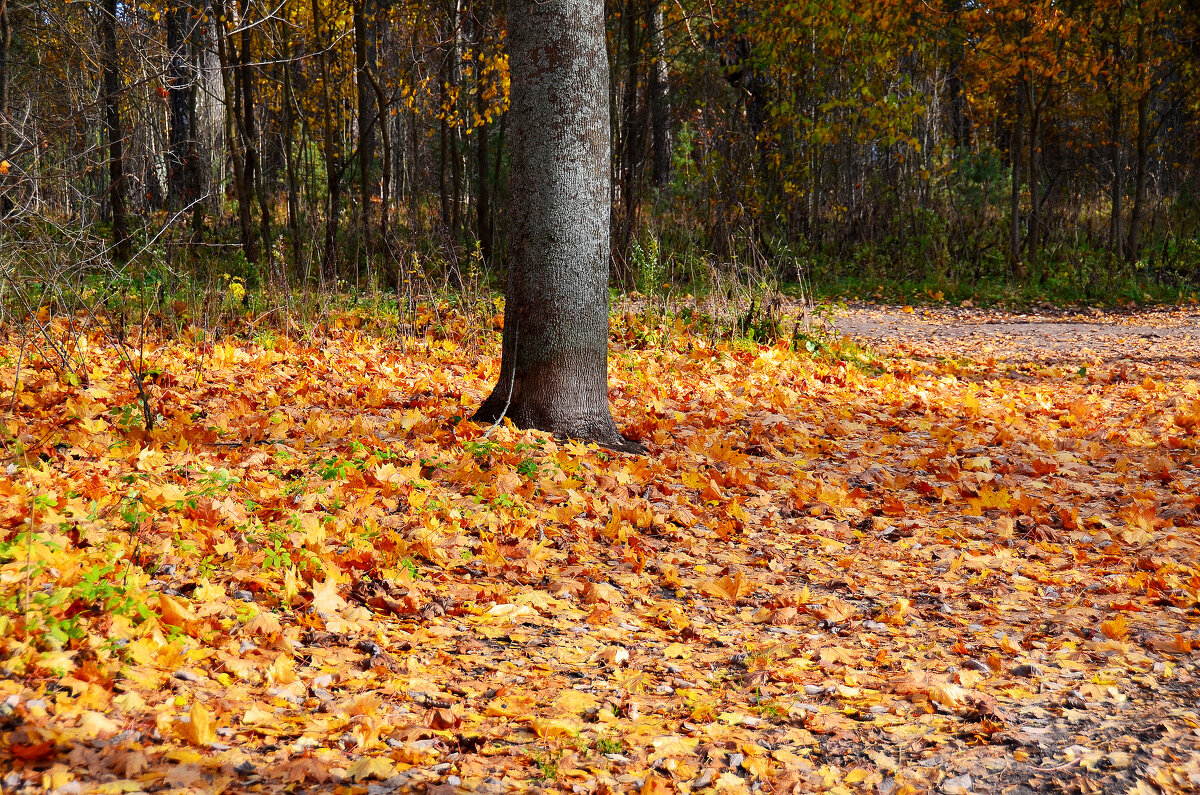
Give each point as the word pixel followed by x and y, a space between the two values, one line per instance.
pixel 934 568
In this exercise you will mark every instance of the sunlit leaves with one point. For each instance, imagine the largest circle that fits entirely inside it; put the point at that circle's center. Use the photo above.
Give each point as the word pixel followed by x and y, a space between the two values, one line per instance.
pixel 813 554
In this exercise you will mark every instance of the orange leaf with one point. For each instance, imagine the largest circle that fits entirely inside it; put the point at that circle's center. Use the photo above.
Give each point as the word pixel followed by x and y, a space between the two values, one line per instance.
pixel 893 507
pixel 33 753
pixel 653 785
pixel 1115 628
pixel 176 613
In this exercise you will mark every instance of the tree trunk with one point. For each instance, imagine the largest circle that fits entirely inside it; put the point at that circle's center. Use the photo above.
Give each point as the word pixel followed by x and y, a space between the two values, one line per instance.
pixel 1134 240
pixel 5 47
pixel 960 126
pixel 332 152
pixel 183 162
pixel 233 138
pixel 660 108
pixel 415 224
pixel 456 142
pixel 252 158
pixel 290 156
pixel 1116 102
pixel 444 156
pixel 1117 187
pixel 554 367
pixel 632 141
pixel 483 202
pixel 1034 233
pixel 1014 204
pixel 207 99
pixel 112 128
pixel 364 50
pixel 385 137
pixel 483 193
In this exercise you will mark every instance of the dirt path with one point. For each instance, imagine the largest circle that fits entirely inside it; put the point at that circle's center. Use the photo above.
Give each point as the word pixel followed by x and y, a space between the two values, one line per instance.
pixel 1166 340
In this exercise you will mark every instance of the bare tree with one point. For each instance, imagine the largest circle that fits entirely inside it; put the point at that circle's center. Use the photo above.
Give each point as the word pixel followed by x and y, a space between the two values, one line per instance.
pixel 112 129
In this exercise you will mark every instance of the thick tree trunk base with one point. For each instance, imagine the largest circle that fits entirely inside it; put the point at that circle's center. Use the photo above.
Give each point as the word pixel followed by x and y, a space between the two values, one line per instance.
pixel 589 426
pixel 554 366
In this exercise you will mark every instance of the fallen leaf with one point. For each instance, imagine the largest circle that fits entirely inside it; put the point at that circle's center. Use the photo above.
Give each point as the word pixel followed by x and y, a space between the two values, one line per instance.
pixel 199 729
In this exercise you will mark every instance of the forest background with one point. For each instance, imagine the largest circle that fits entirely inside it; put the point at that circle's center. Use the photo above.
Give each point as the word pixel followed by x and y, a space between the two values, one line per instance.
pixel 998 149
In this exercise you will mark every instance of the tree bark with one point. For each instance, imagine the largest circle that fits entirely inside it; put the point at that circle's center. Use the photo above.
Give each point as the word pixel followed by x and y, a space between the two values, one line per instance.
pixel 554 367
pixel 252 158
pixel 5 47
pixel 290 156
pixel 483 193
pixel 960 125
pixel 660 107
pixel 483 202
pixel 632 142
pixel 456 142
pixel 1034 233
pixel 385 137
pixel 227 57
pixel 112 128
pixel 1014 204
pixel 1114 94
pixel 332 152
pixel 183 160
pixel 1134 240
pixel 364 52
pixel 1117 186
pixel 444 155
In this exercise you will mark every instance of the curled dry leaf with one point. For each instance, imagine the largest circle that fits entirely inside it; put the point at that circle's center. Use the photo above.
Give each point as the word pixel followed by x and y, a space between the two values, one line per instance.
pixel 442 719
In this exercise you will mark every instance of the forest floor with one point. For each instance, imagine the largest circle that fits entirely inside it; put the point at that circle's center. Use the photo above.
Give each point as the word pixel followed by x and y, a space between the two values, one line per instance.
pixel 965 558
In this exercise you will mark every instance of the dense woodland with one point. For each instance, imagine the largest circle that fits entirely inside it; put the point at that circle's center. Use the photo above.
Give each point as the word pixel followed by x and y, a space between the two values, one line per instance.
pixel 298 143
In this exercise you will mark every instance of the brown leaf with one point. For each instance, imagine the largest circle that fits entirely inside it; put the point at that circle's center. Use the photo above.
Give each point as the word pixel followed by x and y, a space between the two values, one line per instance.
pixel 601 593
pixel 442 719
pixel 265 623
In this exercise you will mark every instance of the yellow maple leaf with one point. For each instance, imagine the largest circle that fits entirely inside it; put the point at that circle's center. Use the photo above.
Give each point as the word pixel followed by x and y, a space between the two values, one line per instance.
pixel 377 767
pixel 548 729
pixel 325 597
pixel 575 702
pixel 726 587
pixel 258 716
pixel 94 725
pixel 282 671
pixel 200 729
pixel 176 613
pixel 226 546
pixel 508 707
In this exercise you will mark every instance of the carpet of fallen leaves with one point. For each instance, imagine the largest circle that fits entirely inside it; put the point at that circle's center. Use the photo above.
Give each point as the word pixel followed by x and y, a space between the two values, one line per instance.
pixel 950 564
